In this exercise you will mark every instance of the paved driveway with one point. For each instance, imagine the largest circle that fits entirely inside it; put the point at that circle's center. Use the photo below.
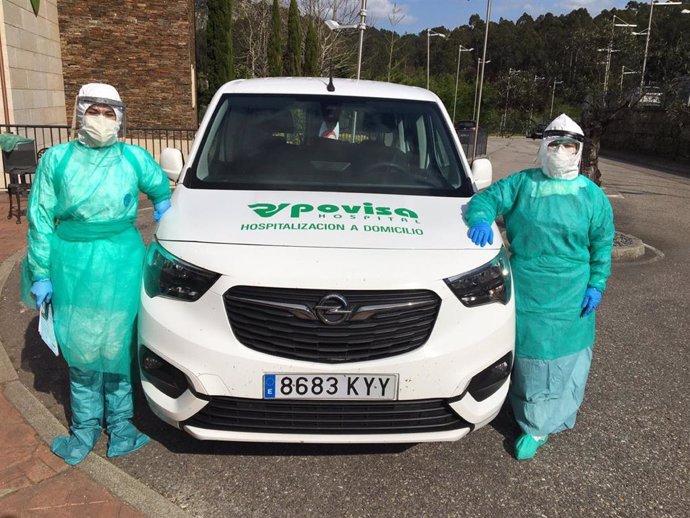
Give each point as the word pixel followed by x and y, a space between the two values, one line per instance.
pixel 628 456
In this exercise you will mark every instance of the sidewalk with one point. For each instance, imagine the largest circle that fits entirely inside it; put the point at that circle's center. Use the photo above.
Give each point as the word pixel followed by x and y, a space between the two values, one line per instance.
pixel 33 481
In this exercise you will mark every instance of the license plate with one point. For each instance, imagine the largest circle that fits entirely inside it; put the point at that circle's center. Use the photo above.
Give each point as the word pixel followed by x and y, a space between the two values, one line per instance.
pixel 330 386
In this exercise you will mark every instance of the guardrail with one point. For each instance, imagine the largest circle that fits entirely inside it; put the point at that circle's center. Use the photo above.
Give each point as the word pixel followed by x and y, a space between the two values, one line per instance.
pixel 154 140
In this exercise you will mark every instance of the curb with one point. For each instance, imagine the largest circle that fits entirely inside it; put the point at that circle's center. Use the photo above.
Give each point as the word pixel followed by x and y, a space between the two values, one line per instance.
pixel 122 485
pixel 633 249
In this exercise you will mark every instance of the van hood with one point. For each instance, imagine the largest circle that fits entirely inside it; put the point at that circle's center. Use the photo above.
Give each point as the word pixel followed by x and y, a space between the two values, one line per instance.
pixel 317 219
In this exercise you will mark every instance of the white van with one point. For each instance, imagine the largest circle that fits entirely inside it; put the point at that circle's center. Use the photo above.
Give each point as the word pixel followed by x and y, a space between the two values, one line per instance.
pixel 313 281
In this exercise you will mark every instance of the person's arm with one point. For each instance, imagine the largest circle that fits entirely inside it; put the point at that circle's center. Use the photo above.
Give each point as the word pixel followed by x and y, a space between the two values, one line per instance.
pixel 41 217
pixel 152 180
pixel 495 200
pixel 601 231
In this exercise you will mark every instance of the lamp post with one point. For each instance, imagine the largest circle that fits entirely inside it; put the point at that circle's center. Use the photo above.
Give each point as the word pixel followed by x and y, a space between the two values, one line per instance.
pixel 476 88
pixel 429 35
pixel 649 32
pixel 553 95
pixel 626 71
pixel 461 49
pixel 511 71
pixel 361 26
pixel 531 104
pixel 481 80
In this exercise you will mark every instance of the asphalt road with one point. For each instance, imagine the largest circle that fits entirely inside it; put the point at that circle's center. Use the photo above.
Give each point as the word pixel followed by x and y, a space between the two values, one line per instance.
pixel 628 456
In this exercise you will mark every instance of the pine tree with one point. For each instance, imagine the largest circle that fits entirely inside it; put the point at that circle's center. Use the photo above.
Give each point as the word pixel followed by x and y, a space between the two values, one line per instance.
pixel 311 52
pixel 219 43
pixel 275 46
pixel 293 54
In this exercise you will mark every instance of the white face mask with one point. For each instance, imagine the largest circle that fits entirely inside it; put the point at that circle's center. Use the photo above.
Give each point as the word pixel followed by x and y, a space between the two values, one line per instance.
pixel 560 163
pixel 98 131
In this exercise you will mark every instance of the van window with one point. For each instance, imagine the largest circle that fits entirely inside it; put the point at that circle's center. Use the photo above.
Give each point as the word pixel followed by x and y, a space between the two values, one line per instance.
pixel 329 143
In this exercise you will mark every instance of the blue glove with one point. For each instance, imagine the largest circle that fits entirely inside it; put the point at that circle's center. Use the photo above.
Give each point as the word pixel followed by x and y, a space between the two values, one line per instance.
pixel 159 209
pixel 43 291
pixel 481 233
pixel 591 301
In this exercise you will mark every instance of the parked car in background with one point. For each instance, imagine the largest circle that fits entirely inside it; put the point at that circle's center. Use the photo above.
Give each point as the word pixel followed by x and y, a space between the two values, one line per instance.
pixel 465 125
pixel 324 290
pixel 536 131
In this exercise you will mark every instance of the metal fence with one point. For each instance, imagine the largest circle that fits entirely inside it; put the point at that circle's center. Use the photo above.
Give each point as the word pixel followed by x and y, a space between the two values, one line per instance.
pixel 154 140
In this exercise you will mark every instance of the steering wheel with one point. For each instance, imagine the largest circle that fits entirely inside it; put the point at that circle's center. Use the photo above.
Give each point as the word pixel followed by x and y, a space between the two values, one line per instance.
pixel 386 165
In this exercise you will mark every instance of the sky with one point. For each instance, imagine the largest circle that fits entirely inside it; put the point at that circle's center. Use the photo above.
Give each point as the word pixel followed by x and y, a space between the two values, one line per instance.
pixel 417 15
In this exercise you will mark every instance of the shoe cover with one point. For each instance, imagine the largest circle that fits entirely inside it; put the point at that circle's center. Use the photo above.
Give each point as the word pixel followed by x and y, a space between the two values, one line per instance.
pixel 119 409
pixel 527 445
pixel 86 397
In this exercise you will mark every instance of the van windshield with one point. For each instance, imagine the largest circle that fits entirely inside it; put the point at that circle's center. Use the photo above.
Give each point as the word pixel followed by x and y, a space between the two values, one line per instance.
pixel 329 143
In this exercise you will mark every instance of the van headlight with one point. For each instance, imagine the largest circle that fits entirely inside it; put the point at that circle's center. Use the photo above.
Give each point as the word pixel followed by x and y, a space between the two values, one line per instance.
pixel 488 283
pixel 167 276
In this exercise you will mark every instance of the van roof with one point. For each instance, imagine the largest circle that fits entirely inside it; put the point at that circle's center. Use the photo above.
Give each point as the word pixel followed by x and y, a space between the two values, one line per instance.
pixel 317 86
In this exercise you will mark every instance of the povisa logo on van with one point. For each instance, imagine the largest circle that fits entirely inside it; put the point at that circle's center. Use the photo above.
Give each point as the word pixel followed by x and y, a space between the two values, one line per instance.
pixel 267 210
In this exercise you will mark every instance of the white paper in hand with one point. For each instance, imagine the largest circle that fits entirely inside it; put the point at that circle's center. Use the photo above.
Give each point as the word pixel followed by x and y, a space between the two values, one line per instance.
pixel 46 328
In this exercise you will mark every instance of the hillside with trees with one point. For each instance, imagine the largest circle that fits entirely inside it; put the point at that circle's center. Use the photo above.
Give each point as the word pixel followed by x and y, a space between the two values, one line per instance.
pixel 587 66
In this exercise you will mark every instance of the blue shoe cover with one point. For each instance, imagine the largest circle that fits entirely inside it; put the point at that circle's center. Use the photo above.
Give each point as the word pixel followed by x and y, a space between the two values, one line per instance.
pixel 74 448
pixel 527 445
pixel 124 439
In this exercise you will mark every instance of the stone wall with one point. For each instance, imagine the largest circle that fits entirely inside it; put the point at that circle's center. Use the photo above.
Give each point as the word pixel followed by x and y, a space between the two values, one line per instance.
pixel 33 85
pixel 143 48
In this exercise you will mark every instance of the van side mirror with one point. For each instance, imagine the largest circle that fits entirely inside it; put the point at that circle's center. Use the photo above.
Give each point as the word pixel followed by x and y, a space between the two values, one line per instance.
pixel 171 162
pixel 482 172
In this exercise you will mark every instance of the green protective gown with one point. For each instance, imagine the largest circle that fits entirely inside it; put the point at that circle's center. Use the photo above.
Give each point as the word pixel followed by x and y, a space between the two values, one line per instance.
pixel 81 212
pixel 561 235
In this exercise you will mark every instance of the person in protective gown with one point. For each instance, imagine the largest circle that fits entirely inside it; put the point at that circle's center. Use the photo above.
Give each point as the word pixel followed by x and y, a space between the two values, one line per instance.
pixel 85 257
pixel 560 228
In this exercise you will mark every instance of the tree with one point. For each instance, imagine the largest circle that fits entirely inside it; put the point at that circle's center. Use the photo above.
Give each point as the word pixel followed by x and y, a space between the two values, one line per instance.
pixel 395 16
pixel 311 52
pixel 292 61
pixel 275 46
pixel 219 43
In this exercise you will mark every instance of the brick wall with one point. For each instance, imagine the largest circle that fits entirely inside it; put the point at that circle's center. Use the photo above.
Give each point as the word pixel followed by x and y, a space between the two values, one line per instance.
pixel 143 48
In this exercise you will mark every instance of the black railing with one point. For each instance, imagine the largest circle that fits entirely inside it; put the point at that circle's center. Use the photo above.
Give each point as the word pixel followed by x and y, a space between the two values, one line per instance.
pixel 152 139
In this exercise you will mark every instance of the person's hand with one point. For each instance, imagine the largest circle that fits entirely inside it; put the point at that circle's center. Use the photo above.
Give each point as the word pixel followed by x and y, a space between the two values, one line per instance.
pixel 159 209
pixel 591 301
pixel 481 233
pixel 43 291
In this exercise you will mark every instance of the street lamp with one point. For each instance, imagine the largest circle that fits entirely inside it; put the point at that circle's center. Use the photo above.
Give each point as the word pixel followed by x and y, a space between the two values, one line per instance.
pixel 626 71
pixel 649 32
pixel 531 104
pixel 461 49
pixel 511 71
pixel 553 95
pixel 476 88
pixel 361 26
pixel 481 80
pixel 429 35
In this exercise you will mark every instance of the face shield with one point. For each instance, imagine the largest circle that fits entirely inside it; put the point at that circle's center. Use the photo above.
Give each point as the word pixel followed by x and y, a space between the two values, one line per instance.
pixel 560 151
pixel 97 130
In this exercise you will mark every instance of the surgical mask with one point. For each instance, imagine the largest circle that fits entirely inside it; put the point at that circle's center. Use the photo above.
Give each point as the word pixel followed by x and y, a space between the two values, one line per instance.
pixel 559 162
pixel 98 131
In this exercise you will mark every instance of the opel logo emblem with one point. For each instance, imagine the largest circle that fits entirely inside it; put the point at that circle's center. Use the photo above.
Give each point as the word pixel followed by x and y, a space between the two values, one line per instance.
pixel 332 309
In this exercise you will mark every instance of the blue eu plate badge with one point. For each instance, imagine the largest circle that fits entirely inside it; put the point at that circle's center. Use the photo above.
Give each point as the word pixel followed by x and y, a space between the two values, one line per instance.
pixel 269 386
